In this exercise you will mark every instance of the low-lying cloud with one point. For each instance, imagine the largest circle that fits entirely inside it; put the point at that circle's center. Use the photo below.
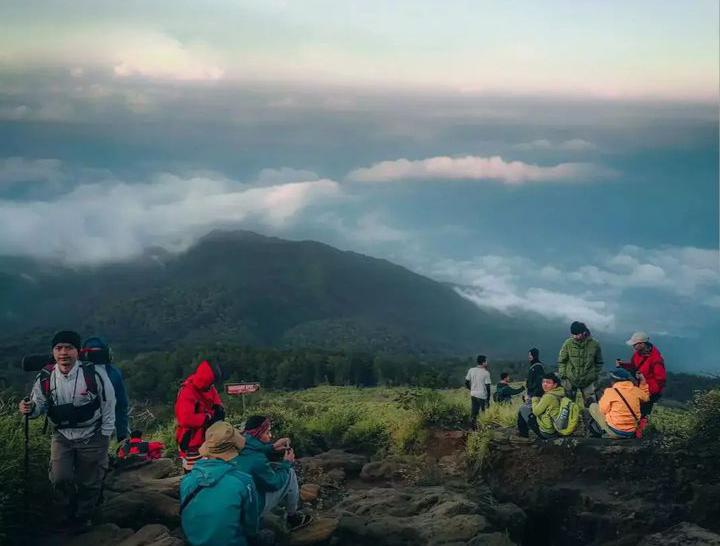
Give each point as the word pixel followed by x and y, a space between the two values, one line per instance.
pixel 572 145
pixel 114 220
pixel 476 168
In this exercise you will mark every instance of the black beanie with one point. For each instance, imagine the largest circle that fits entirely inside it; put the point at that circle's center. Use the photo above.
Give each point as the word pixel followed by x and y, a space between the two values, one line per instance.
pixel 578 328
pixel 254 421
pixel 67 336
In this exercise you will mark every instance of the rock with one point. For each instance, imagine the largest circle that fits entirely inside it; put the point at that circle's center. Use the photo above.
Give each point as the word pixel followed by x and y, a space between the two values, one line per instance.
pixel 152 535
pixel 379 471
pixel 140 507
pixel 336 475
pixel 318 532
pixel 107 534
pixel 490 539
pixel 350 463
pixel 683 534
pixel 309 492
pixel 510 517
pixel 417 515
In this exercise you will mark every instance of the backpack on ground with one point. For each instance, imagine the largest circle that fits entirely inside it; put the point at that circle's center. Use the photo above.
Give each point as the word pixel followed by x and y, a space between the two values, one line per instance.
pixel 568 417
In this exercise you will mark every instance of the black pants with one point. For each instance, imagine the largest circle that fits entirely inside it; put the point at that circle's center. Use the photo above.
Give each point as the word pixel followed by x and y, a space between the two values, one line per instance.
pixel 526 421
pixel 476 405
pixel 646 407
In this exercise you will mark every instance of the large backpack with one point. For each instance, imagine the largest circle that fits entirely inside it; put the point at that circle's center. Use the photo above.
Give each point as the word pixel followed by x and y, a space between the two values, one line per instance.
pixel 568 417
pixel 73 415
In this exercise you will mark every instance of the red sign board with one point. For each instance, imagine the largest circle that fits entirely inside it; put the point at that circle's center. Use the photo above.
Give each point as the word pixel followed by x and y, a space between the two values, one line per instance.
pixel 235 389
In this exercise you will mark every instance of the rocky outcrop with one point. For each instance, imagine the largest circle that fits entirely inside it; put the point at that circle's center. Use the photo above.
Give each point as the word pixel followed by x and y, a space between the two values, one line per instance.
pixel 683 534
pixel 109 534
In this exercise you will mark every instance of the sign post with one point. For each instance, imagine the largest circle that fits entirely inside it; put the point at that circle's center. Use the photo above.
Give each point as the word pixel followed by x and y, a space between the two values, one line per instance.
pixel 241 389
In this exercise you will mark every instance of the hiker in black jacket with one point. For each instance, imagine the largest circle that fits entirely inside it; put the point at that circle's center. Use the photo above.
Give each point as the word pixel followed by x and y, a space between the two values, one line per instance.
pixel 504 392
pixel 535 374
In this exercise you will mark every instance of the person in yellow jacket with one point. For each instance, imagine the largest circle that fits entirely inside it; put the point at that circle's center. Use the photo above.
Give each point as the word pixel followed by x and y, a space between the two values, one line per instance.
pixel 618 412
pixel 539 417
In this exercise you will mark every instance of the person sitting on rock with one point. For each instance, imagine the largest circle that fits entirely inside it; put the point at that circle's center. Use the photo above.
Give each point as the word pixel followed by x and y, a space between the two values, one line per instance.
pixel 218 502
pixel 539 417
pixel 137 449
pixel 618 413
pixel 504 392
pixel 276 482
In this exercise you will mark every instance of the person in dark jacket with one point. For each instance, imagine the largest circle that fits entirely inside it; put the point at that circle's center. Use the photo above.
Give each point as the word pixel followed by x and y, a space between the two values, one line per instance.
pixel 276 482
pixel 504 392
pixel 198 406
pixel 95 350
pixel 535 374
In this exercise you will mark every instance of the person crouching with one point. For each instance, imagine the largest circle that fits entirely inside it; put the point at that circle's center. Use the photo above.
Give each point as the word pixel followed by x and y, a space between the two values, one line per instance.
pixel 218 501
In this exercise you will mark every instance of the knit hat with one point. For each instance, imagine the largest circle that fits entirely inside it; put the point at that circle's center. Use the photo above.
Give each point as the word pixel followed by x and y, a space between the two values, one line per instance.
pixel 222 441
pixel 578 328
pixel 638 337
pixel 621 374
pixel 67 336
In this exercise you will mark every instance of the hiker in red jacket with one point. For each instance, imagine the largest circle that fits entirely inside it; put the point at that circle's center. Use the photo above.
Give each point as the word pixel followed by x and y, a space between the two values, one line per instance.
pixel 135 448
pixel 649 362
pixel 198 406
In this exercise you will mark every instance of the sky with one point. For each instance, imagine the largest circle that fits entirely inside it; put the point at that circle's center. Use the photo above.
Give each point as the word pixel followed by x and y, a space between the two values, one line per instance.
pixel 555 159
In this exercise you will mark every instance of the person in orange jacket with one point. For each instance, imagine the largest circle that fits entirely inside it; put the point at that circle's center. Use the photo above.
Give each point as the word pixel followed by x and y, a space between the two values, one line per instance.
pixel 198 406
pixel 618 412
pixel 647 360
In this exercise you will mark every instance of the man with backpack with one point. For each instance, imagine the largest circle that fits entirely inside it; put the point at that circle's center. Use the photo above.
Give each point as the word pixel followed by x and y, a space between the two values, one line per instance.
pixel 648 361
pixel 543 411
pixel 95 350
pixel 79 400
pixel 197 406
pixel 579 364
pixel 618 412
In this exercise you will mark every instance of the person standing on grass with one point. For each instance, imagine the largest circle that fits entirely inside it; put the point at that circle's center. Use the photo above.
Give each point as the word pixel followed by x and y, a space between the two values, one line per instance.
pixel 79 400
pixel 579 364
pixel 478 382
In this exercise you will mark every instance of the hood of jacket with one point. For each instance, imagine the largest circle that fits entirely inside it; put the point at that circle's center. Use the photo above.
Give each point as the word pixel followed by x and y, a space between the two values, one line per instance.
pixel 558 391
pixel 208 472
pixel 205 375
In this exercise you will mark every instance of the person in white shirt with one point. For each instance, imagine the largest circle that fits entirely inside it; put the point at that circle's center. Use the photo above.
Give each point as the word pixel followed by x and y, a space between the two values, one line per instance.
pixel 79 400
pixel 478 382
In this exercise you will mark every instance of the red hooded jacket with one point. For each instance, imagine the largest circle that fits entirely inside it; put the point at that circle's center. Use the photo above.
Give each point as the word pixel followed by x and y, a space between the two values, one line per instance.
pixel 194 407
pixel 652 366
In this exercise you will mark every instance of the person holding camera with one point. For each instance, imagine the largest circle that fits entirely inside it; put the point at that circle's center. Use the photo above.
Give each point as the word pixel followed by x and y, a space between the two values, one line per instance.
pixel 79 400
pixel 197 406
pixel 276 482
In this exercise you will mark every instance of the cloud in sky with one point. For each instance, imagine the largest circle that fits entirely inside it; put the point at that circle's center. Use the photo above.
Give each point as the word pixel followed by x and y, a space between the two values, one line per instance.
pixel 476 168
pixel 19 169
pixel 572 145
pixel 116 220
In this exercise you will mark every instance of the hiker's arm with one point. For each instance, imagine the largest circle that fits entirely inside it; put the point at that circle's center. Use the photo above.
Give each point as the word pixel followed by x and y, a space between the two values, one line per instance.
pixel 467 380
pixel 644 391
pixel 516 391
pixel 605 402
pixel 121 409
pixel 487 388
pixel 540 406
pixel 599 360
pixel 660 373
pixel 185 412
pixel 106 392
pixel 563 358
pixel 271 480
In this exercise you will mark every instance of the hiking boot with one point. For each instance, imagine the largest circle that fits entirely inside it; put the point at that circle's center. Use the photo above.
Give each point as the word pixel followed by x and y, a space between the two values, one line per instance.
pixel 298 521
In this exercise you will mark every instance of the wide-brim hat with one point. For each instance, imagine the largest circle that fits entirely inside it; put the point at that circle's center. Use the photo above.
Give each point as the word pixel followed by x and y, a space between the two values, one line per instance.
pixel 638 337
pixel 222 441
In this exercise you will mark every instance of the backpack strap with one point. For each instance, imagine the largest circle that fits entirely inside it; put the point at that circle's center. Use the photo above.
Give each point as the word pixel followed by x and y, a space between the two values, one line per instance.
pixel 191 496
pixel 92 376
pixel 628 406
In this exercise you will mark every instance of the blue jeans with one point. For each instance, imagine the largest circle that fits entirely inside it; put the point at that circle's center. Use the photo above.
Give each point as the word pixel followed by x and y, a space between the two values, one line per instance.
pixel 289 492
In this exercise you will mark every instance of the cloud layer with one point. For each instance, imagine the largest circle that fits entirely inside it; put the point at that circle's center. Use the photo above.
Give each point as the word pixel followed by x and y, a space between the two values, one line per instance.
pixel 476 168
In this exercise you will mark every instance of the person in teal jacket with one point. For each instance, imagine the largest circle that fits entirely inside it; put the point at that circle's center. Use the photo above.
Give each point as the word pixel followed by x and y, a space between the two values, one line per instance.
pixel 276 482
pixel 218 502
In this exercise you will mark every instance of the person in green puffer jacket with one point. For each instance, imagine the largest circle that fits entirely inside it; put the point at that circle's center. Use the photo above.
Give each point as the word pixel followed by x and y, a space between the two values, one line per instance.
pixel 218 502
pixel 539 417
pixel 276 482
pixel 579 364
